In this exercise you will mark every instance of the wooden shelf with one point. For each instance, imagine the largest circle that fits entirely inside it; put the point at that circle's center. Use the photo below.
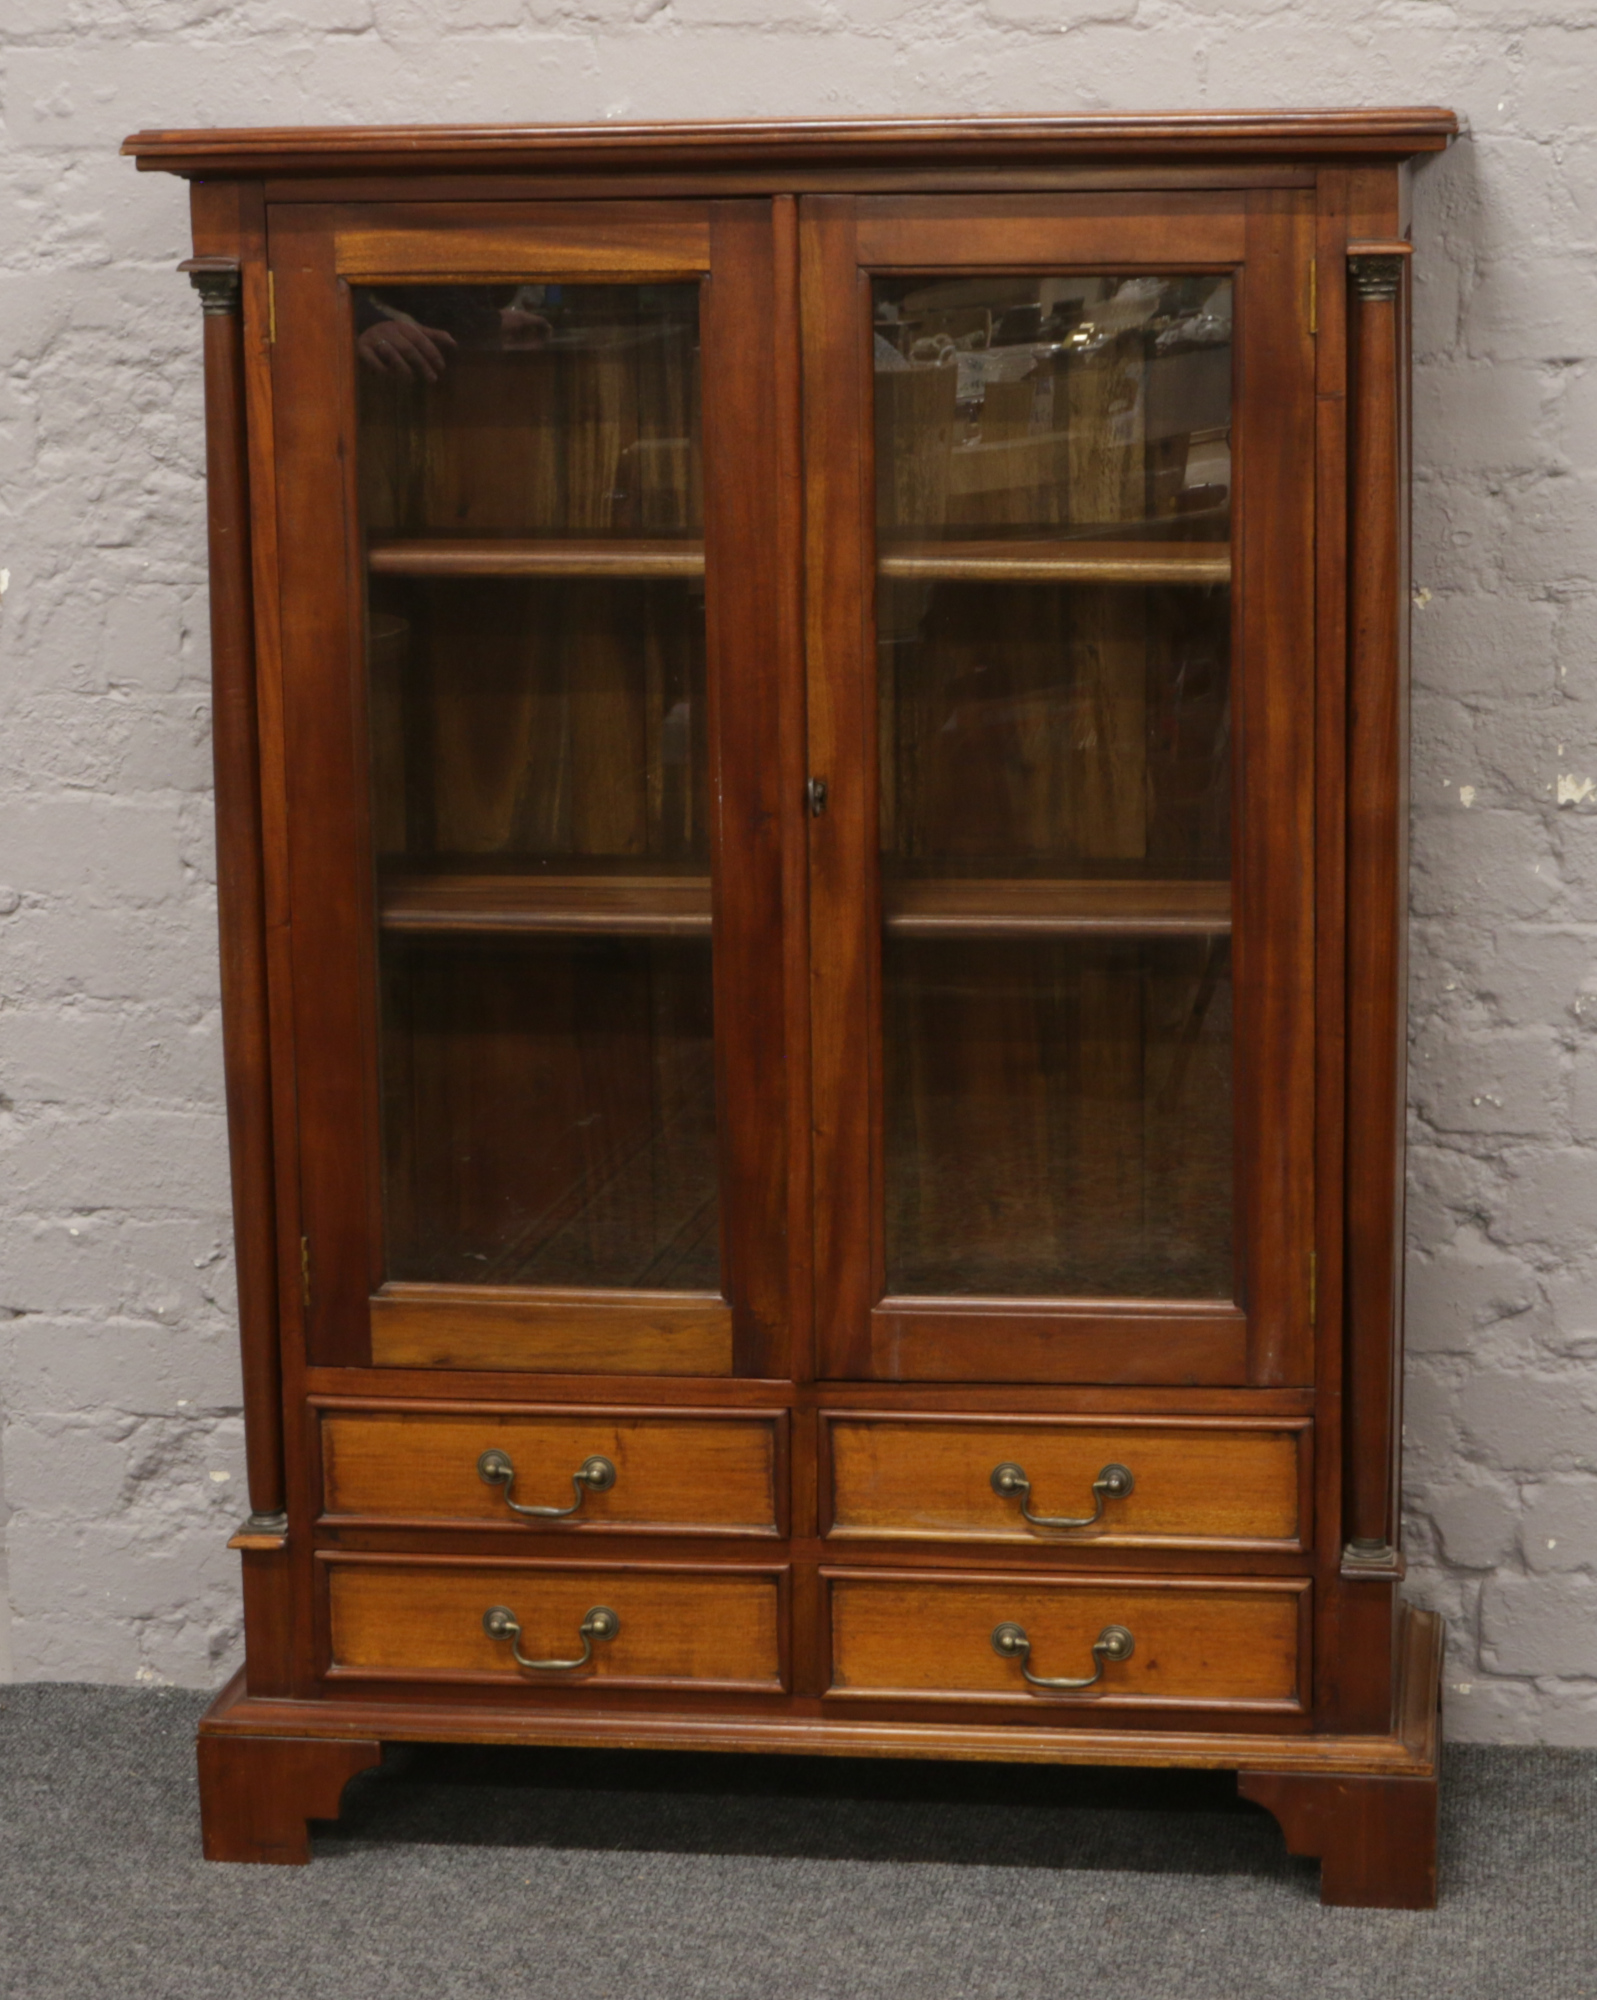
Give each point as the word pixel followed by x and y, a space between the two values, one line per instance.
pixel 1028 909
pixel 996 561
pixel 679 906
pixel 1192 563
pixel 497 556
pixel 555 905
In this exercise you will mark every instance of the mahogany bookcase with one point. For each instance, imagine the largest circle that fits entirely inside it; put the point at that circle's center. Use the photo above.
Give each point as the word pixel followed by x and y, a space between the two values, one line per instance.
pixel 810 792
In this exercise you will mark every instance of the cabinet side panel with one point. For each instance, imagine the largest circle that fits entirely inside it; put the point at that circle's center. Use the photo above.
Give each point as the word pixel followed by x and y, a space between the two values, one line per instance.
pixel 1375 289
pixel 1275 933
pixel 220 228
pixel 1377 819
pixel 1330 910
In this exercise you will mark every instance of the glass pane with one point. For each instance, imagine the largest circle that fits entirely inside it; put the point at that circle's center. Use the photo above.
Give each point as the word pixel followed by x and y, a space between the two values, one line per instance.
pixel 1059 1117
pixel 530 482
pixel 1053 627
pixel 550 1112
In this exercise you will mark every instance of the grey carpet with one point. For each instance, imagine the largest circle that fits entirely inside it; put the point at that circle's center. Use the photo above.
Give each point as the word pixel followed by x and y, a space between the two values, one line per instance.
pixel 524 1875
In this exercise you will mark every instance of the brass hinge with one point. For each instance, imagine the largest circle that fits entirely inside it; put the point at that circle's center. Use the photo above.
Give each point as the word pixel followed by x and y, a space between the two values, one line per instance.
pixel 271 308
pixel 1314 1288
pixel 305 1271
pixel 1314 296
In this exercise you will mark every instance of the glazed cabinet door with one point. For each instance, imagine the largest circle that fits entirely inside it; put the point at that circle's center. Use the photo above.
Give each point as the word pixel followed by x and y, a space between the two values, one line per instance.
pixel 1060 627
pixel 529 583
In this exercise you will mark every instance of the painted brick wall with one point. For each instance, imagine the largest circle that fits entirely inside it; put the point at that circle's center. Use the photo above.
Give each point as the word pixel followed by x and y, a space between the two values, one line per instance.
pixel 122 1465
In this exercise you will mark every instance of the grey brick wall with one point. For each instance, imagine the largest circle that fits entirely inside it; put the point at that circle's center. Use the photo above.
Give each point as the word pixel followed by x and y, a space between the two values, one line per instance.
pixel 121 1457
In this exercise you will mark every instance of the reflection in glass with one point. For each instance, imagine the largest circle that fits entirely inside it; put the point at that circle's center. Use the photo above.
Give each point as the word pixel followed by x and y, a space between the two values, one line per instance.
pixel 551 410
pixel 1096 405
pixel 1053 644
pixel 531 505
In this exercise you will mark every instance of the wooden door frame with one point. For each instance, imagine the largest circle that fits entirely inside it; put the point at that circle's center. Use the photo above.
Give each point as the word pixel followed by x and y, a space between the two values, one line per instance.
pixel 1266 238
pixel 728 247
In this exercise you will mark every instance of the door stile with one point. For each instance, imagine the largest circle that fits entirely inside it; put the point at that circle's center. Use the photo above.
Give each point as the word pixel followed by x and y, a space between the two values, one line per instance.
pixel 793 763
pixel 328 845
pixel 844 898
pixel 745 548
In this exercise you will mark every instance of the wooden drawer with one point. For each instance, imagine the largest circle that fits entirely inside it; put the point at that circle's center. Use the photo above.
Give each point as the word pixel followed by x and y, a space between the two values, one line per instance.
pixel 1196 1482
pixel 407 1618
pixel 1204 1643
pixel 676 1472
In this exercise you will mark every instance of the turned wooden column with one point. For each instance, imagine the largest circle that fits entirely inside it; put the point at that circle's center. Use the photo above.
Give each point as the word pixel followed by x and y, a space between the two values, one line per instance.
pixel 1377 874
pixel 240 886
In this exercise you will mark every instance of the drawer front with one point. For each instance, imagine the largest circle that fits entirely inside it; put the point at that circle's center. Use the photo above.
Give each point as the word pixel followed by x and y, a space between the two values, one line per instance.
pixel 1192 1483
pixel 1206 1643
pixel 402 1619
pixel 678 1473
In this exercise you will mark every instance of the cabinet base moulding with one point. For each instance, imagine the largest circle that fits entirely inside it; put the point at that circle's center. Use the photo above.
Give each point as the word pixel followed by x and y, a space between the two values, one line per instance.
pixel 1366 1805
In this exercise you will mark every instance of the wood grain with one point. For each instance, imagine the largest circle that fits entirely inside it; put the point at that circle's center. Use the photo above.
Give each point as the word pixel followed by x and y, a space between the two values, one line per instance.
pixel 334 1110
pixel 675 906
pixel 754 561
pixel 1063 1736
pixel 844 969
pixel 257 1793
pixel 594 1332
pixel 418 555
pixel 1377 876
pixel 470 243
pixel 1112 232
pixel 1037 561
pixel 1205 1644
pixel 1375 1838
pixel 1273 855
pixel 1018 908
pixel 680 1472
pixel 1197 1484
pixel 958 143
pixel 1058 1340
pixel 241 901
pixel 558 905
pixel 704 1628
pixel 1330 859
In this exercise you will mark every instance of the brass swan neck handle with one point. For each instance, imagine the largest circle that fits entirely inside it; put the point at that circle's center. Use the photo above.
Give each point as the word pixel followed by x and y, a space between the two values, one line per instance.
pixel 593 1475
pixel 1114 1642
pixel 1113 1483
pixel 601 1623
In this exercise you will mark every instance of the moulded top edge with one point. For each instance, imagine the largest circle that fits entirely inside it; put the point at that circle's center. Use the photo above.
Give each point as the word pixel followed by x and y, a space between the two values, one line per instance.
pixel 1392 133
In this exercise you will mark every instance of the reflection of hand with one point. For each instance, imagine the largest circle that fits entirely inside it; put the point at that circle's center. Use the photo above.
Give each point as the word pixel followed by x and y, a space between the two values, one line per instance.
pixel 522 328
pixel 402 347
